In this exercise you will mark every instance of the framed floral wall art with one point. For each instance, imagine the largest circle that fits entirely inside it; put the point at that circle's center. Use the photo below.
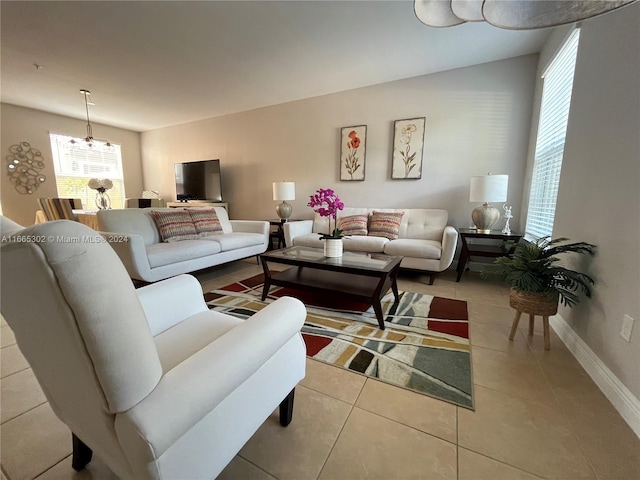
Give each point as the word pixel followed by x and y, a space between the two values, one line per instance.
pixel 408 142
pixel 353 149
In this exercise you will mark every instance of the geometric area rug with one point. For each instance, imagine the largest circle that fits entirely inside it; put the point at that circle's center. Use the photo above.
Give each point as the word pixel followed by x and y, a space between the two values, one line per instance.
pixel 424 346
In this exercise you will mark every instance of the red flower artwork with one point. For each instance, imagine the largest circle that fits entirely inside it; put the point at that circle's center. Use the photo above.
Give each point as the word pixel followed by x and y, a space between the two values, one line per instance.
pixel 352 162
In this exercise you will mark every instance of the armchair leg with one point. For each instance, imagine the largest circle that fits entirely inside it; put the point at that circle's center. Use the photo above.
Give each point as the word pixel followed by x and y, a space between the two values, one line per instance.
pixel 81 454
pixel 286 409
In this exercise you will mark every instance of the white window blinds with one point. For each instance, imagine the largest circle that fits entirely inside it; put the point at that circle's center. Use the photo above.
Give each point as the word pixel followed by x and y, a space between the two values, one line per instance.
pixel 552 130
pixel 75 166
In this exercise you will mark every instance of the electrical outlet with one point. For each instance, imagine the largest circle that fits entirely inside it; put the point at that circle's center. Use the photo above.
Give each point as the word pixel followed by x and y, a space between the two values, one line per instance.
pixel 627 326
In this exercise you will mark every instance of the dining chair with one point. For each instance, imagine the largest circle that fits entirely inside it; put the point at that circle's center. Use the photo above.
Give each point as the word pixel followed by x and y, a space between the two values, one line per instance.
pixel 57 208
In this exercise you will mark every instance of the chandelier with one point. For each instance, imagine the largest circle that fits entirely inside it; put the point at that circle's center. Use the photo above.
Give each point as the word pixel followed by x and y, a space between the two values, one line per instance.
pixel 512 14
pixel 89 141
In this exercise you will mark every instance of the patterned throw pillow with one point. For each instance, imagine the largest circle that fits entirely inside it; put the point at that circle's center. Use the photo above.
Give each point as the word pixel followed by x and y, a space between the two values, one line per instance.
pixel 354 225
pixel 385 224
pixel 206 221
pixel 174 225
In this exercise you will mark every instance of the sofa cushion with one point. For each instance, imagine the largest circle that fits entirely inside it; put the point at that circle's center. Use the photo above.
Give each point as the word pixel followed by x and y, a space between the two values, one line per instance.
pixel 385 224
pixel 308 240
pixel 353 225
pixel 160 254
pixel 235 240
pixel 174 225
pixel 132 221
pixel 356 243
pixel 359 243
pixel 206 221
pixel 410 247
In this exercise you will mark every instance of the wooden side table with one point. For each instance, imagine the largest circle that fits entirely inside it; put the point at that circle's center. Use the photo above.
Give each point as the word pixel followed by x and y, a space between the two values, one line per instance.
pixel 278 233
pixel 495 250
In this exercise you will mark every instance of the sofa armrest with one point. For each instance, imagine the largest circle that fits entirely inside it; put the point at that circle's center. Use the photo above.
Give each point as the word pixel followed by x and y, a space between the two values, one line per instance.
pixel 294 229
pixel 192 389
pixel 251 226
pixel 132 251
pixel 449 243
pixel 170 301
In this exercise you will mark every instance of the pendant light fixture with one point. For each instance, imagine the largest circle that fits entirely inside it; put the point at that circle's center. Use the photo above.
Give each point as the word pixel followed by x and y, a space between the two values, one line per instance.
pixel 512 14
pixel 89 141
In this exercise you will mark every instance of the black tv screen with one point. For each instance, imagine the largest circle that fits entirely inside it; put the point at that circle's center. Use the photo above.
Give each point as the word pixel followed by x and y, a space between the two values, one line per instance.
pixel 199 180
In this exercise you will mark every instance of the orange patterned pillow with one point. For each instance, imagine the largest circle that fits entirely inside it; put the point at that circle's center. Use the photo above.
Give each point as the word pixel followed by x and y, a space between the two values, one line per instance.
pixel 174 225
pixel 385 224
pixel 354 225
pixel 206 221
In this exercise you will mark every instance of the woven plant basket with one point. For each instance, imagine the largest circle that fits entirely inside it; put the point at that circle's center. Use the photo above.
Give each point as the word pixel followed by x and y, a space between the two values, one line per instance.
pixel 534 303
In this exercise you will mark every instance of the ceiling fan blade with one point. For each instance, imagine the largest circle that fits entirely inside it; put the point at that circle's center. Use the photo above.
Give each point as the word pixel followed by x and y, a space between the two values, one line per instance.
pixel 436 13
pixel 532 14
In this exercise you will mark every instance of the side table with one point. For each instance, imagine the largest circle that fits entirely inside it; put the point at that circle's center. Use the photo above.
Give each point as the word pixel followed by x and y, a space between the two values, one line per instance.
pixel 278 233
pixel 495 250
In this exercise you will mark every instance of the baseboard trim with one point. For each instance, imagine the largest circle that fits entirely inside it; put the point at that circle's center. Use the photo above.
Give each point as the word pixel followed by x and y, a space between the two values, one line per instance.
pixel 618 394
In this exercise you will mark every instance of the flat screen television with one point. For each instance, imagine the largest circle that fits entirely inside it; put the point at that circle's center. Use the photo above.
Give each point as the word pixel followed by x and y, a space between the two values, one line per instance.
pixel 199 180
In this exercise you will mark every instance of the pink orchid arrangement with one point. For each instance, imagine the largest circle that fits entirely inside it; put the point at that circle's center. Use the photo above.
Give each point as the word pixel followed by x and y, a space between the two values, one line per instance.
pixel 326 203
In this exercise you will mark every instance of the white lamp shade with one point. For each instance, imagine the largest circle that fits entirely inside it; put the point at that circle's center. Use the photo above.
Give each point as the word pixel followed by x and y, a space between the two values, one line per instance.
pixel 284 190
pixel 489 188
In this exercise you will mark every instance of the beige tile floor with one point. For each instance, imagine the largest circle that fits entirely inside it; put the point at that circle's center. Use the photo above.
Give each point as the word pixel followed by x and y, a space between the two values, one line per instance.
pixel 538 414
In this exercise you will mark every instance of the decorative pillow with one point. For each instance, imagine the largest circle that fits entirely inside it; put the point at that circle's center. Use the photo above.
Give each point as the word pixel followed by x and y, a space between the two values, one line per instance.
pixel 354 225
pixel 206 221
pixel 174 225
pixel 385 224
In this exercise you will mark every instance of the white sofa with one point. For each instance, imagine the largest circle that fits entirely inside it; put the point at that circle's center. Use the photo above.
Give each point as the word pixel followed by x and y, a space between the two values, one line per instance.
pixel 150 380
pixel 134 236
pixel 425 240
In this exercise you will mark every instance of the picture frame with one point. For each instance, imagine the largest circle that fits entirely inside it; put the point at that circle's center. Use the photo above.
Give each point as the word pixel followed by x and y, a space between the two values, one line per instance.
pixel 353 150
pixel 408 145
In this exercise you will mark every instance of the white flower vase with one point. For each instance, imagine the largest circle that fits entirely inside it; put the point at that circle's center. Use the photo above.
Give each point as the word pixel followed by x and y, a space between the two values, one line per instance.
pixel 333 247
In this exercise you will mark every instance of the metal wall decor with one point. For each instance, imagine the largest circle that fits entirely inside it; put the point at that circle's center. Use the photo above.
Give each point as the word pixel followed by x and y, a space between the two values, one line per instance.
pixel 23 165
pixel 408 140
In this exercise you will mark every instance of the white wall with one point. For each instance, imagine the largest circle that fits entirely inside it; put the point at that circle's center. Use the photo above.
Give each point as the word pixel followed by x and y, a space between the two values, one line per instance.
pixel 599 193
pixel 23 124
pixel 477 121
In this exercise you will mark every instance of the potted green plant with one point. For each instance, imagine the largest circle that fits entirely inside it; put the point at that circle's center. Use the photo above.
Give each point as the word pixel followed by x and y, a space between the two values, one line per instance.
pixel 537 279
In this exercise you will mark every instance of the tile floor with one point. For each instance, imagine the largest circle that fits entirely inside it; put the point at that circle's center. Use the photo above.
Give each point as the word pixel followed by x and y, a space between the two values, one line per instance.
pixel 538 414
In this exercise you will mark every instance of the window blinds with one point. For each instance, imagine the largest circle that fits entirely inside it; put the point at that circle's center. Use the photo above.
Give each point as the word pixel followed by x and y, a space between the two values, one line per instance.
pixel 552 130
pixel 74 167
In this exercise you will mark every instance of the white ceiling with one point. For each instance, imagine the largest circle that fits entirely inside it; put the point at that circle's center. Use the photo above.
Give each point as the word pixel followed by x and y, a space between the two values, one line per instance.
pixel 151 64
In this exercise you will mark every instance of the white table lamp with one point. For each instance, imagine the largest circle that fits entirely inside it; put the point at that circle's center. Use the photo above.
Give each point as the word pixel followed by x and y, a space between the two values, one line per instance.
pixel 284 191
pixel 485 189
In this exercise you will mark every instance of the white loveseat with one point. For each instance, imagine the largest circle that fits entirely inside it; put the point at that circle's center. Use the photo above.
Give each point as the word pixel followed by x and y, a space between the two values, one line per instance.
pixel 134 236
pixel 425 240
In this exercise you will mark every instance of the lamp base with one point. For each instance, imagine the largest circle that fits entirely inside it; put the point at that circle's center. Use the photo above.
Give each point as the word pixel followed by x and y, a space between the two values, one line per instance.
pixel 284 210
pixel 485 217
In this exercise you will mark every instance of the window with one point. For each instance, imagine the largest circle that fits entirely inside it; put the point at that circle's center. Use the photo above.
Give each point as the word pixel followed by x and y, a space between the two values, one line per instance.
pixel 552 130
pixel 75 166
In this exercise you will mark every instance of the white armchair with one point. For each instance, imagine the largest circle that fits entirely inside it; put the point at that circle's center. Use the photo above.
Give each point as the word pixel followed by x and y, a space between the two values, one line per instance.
pixel 151 380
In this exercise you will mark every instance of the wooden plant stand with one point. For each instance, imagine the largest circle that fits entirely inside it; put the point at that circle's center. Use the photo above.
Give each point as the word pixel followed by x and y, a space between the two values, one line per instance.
pixel 533 304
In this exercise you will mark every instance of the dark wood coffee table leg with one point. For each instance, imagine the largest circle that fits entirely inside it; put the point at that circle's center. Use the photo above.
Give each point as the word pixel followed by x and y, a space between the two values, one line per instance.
pixel 394 284
pixel 377 294
pixel 267 279
pixel 377 307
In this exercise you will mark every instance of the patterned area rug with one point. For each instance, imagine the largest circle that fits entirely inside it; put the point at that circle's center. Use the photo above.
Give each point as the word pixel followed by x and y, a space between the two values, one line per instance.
pixel 424 347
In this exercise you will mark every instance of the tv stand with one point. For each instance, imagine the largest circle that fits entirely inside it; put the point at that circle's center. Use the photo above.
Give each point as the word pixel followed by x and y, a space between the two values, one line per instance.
pixel 197 204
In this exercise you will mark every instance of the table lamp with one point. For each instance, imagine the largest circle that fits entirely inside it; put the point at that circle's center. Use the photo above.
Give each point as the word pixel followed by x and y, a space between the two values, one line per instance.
pixel 284 191
pixel 485 189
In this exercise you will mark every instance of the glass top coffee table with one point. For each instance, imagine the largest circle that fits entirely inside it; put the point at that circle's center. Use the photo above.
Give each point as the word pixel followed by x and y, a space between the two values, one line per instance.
pixel 355 275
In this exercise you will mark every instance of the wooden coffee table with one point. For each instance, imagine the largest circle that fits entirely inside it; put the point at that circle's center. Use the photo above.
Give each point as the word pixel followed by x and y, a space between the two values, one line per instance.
pixel 356 275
